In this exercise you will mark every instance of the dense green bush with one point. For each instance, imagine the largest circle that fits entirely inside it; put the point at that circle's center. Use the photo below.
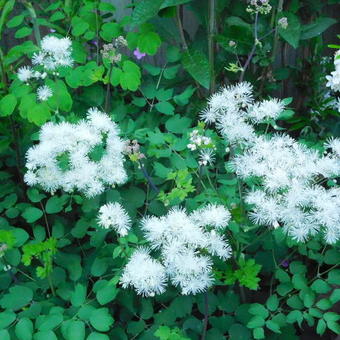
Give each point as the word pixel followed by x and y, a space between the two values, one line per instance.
pixel 60 270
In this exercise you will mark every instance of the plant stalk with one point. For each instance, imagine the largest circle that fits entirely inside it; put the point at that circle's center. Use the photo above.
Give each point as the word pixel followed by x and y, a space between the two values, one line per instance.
pixel 206 314
pixel 211 43
pixel 33 15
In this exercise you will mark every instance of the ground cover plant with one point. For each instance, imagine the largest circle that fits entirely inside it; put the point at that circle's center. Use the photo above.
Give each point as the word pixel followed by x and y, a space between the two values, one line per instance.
pixel 169 170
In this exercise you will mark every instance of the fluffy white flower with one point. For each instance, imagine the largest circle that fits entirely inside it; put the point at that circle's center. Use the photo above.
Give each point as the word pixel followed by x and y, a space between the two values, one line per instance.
pixel 64 157
pixel 113 215
pixel 54 52
pixel 333 80
pixel 146 275
pixel 180 238
pixel 212 215
pixel 265 110
pixel 44 92
pixel 25 73
pixel 206 157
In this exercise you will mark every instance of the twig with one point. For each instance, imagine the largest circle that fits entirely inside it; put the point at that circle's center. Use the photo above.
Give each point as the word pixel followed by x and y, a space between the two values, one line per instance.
pixel 148 178
pixel 251 54
pixel 180 27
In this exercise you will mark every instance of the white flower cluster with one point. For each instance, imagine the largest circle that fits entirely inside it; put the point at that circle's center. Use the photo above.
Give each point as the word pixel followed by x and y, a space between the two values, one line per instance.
pixel 205 146
pixel 54 53
pixel 197 141
pixel 234 112
pixel 113 216
pixel 292 177
pixel 333 80
pixel 179 238
pixel 75 142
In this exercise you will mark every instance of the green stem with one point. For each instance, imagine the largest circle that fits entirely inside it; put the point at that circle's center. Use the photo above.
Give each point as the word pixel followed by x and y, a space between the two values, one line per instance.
pixel 51 284
pixel 211 44
pixel 107 97
pixel 33 15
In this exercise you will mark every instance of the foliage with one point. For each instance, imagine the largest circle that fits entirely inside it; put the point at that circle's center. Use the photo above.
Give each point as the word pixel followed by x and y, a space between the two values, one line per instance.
pixel 59 272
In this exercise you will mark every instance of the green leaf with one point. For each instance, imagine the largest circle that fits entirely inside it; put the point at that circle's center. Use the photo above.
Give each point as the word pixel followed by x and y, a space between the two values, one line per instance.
pixel 4 335
pixel 6 318
pixel 295 302
pixel 320 286
pixel 23 32
pixel 178 124
pixel 15 21
pixel 79 26
pixel 165 107
pixel 324 304
pixel 7 105
pixel 273 326
pixel 45 335
pixel 75 330
pixel 183 98
pixel 130 78
pixel 18 297
pixel 272 303
pixel 50 321
pixel 55 204
pixel 299 281
pixel 316 28
pixel 256 321
pixel 34 195
pixel 332 256
pixel 32 214
pixel 173 53
pixel 97 336
pixel 259 310
pixel 5 11
pixel 335 296
pixel 78 297
pixel 106 293
pixel 170 3
pixel 149 42
pixel 109 31
pixel 101 320
pixel 38 114
pixel 24 329
pixel 321 327
pixel 295 316
pixel 239 332
pixel 145 10
pixel 258 333
pixel 292 33
pixel 334 277
pixel 197 64
pixel 57 16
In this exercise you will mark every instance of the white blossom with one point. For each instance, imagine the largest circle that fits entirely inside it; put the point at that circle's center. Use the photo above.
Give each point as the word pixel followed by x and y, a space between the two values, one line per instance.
pixel 74 143
pixel 146 275
pixel 333 80
pixel 180 238
pixel 113 215
pixel 25 73
pixel 44 92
